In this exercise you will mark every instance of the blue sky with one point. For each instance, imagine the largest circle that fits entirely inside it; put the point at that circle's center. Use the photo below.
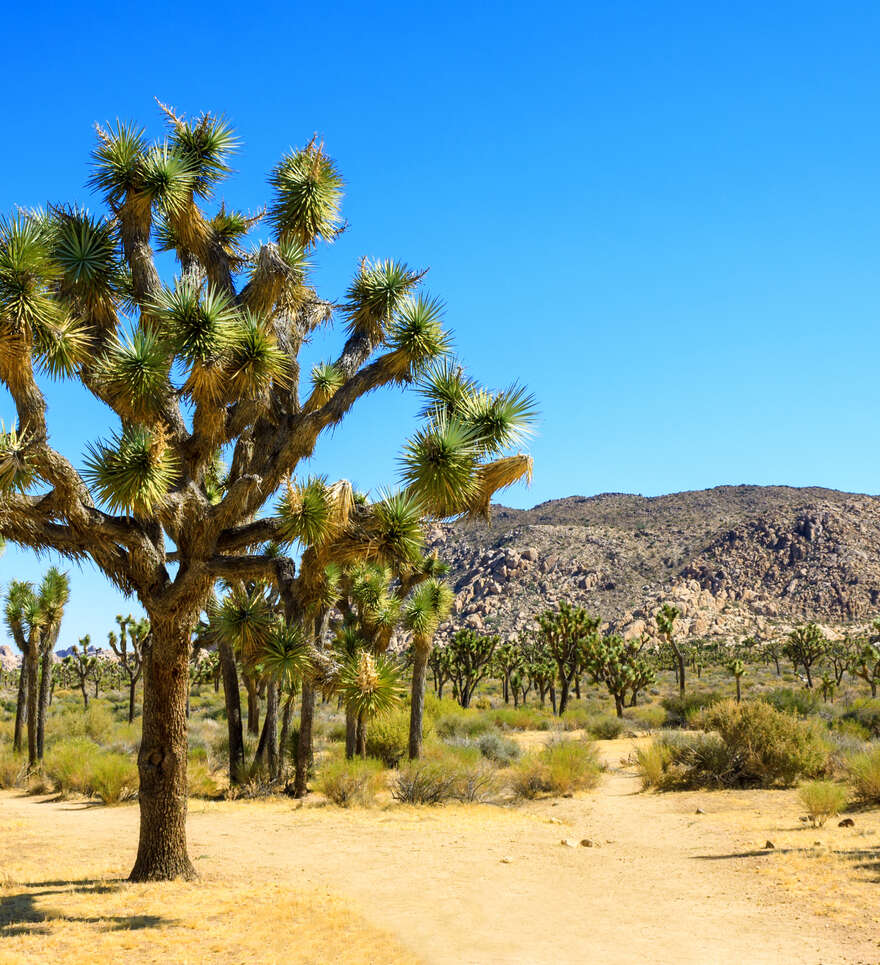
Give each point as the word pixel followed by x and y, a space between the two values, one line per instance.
pixel 660 216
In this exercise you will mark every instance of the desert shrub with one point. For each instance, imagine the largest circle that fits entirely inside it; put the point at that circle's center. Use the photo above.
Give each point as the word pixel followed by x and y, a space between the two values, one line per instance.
pixel 200 781
pixel 680 710
pixel 822 800
pixel 790 700
pixel 865 712
pixel 653 761
pixel 388 737
pixel 605 727
pixel 71 720
pixel 649 716
pixel 762 746
pixel 12 768
pixel 495 747
pixel 112 777
pixel 863 771
pixel 348 783
pixel 337 732
pixel 481 703
pixel 69 762
pixel 435 707
pixel 462 723
pixel 562 767
pixel 519 718
pixel 425 781
pixel 576 718
pixel 846 727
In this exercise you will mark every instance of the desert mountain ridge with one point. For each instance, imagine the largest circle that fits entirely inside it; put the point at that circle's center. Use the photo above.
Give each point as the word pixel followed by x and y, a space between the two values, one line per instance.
pixel 736 560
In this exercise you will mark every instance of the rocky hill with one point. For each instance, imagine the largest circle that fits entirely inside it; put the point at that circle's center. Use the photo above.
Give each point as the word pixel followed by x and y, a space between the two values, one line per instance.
pixel 736 560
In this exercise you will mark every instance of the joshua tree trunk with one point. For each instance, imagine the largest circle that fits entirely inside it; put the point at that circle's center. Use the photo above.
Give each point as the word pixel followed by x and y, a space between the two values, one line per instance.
pixel 417 704
pixel 361 736
pixel 738 691
pixel 85 693
pixel 564 683
pixel 233 712
pixel 304 744
pixel 618 704
pixel 350 733
pixel 32 697
pixel 162 854
pixel 132 684
pixel 20 706
pixel 253 710
pixel 285 732
pixel 43 700
pixel 267 751
pixel 553 698
pixel 679 656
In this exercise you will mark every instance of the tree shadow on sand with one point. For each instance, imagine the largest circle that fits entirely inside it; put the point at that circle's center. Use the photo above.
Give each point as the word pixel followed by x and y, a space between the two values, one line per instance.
pixel 22 912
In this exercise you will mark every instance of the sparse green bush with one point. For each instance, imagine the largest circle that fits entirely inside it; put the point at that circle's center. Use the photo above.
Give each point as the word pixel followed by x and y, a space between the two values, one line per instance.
pixel 864 774
pixel 605 727
pixel 653 761
pixel 388 737
pixel 562 767
pixel 680 710
pixel 69 762
pixel 425 781
pixel 519 718
pixel 866 713
pixel 348 783
pixel 12 768
pixel 822 800
pixel 112 777
pixel 804 703
pixel 752 745
pixel 649 716
pixel 462 723
pixel 200 781
pixel 495 747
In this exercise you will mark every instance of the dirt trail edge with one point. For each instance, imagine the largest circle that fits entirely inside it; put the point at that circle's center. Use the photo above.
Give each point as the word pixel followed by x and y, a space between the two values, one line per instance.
pixel 487 885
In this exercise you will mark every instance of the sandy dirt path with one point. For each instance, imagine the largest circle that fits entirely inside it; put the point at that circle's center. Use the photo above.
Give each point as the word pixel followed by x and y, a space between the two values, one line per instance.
pixel 482 884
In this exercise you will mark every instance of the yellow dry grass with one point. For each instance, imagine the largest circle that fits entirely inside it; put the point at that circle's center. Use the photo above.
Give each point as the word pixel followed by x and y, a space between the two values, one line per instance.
pixel 56 910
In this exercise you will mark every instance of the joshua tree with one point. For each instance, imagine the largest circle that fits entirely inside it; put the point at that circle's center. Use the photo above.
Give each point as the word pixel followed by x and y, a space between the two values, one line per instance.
pixel 565 633
pixel 424 612
pixel 53 596
pixel 541 668
pixel 737 668
pixel 370 687
pixel 438 661
pixel 129 647
pixel 470 661
pixel 805 647
pixel 866 663
pixel 618 664
pixel 18 597
pixel 666 618
pixel 83 666
pixel 507 659
pixel 211 362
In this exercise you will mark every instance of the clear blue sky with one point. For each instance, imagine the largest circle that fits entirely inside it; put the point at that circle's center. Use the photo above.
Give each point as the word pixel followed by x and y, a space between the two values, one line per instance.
pixel 661 216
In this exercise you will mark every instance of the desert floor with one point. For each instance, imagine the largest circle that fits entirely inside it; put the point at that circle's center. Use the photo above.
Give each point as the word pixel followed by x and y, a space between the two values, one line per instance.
pixel 283 882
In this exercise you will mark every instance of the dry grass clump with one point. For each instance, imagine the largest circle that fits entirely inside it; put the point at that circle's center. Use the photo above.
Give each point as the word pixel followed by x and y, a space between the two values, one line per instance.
pixel 822 800
pixel 12 768
pixel 350 783
pixel 562 767
pixel 446 773
pixel 863 771
pixel 79 766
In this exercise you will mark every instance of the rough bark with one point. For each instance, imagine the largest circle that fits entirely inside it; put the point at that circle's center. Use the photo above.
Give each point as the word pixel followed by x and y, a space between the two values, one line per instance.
pixel 20 707
pixel 32 698
pixel 350 733
pixel 233 712
pixel 43 700
pixel 162 853
pixel 132 685
pixel 361 737
pixel 285 732
pixel 253 706
pixel 417 703
pixel 304 744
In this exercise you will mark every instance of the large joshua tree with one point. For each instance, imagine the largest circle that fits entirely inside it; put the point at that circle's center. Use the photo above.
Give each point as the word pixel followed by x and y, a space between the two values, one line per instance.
pixel 206 363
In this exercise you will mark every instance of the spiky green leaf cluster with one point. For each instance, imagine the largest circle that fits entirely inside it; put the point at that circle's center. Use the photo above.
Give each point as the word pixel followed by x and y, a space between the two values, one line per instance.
pixel 255 360
pixel 134 471
pixel 327 379
pixel 205 144
pixel 370 686
pixel 395 530
pixel 417 333
pixel 246 620
pixel 16 473
pixel 439 464
pixel 376 294
pixel 307 197
pixel 26 273
pixel 286 655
